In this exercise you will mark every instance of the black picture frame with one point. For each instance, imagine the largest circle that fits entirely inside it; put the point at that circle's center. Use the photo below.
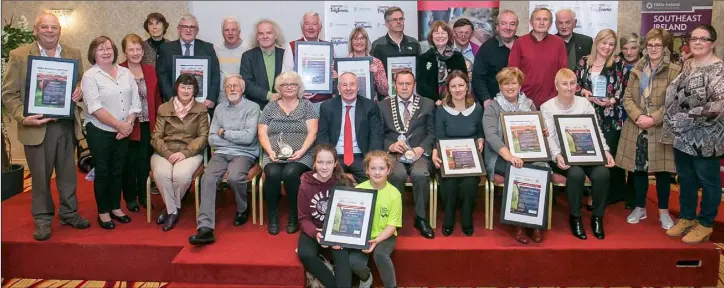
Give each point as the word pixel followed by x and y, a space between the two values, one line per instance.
pixel 599 159
pixel 506 140
pixel 544 198
pixel 370 76
pixel 69 71
pixel 329 54
pixel 335 194
pixel 444 168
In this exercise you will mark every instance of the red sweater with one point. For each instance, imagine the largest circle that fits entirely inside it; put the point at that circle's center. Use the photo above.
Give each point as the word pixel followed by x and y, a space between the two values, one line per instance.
pixel 312 200
pixel 539 61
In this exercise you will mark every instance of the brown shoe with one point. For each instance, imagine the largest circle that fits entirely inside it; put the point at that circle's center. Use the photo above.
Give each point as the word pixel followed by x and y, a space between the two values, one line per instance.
pixel 42 231
pixel 520 235
pixel 697 235
pixel 537 236
pixel 681 227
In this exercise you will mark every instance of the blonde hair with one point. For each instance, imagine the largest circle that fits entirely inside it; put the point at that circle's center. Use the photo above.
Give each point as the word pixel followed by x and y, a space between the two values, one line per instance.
pixel 355 31
pixel 279 41
pixel 509 73
pixel 289 75
pixel 377 154
pixel 602 35
pixel 564 74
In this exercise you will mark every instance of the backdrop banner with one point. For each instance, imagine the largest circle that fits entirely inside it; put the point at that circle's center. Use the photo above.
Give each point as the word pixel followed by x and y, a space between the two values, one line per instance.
pixel 592 16
pixel 678 17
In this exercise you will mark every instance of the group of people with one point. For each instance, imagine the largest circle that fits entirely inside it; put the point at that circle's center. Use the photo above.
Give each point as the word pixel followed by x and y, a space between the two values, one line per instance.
pixel 656 116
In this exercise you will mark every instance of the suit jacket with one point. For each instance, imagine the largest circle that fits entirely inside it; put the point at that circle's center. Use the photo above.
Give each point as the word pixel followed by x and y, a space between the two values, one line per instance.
pixel 13 91
pixel 164 67
pixel 153 99
pixel 253 71
pixel 426 75
pixel 422 126
pixel 582 45
pixel 367 123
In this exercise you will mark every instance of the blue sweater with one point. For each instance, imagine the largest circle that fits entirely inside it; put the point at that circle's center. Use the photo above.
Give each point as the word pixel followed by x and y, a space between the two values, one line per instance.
pixel 239 123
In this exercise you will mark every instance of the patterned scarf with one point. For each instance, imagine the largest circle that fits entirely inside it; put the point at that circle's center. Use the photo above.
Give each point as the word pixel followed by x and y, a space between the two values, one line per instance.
pixel 181 110
pixel 442 66
pixel 523 104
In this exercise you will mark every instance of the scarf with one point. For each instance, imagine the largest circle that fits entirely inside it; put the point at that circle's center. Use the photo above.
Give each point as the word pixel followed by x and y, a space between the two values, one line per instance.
pixel 181 110
pixel 442 66
pixel 523 104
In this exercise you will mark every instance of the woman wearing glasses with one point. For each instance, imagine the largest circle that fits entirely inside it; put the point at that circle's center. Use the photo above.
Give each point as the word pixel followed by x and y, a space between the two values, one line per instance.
pixel 287 129
pixel 693 124
pixel 640 149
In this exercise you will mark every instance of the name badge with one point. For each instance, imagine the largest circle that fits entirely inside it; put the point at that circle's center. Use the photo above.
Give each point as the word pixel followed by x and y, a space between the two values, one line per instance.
pixel 599 84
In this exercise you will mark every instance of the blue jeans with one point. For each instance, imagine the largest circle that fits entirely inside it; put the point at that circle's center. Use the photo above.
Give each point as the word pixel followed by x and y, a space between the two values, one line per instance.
pixel 695 172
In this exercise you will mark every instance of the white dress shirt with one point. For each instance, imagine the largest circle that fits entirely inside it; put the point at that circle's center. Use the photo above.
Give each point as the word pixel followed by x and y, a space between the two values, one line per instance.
pixel 288 58
pixel 401 106
pixel 340 141
pixel 44 53
pixel 191 48
pixel 118 96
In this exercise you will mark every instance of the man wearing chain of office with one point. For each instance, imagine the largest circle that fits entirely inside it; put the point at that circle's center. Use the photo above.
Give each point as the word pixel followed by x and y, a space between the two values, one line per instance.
pixel 409 137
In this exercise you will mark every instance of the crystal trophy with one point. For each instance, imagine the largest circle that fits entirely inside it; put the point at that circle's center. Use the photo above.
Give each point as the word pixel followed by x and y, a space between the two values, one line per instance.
pixel 285 151
pixel 409 156
pixel 599 84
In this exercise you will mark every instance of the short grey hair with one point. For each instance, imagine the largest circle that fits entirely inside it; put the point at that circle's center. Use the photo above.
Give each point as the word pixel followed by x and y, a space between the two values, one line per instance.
pixel 507 11
pixel 232 20
pixel 235 76
pixel 310 13
pixel 188 17
pixel 279 42
pixel 290 75
pixel 538 9
pixel 567 10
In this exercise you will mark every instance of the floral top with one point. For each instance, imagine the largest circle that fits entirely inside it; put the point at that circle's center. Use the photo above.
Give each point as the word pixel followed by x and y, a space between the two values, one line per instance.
pixel 610 118
pixel 380 80
pixel 143 95
pixel 694 103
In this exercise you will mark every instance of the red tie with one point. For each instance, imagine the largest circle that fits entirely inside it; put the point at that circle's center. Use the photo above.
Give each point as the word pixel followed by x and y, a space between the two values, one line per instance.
pixel 348 157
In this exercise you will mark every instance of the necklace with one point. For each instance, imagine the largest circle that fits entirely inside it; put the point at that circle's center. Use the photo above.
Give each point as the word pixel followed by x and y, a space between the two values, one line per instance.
pixel 395 116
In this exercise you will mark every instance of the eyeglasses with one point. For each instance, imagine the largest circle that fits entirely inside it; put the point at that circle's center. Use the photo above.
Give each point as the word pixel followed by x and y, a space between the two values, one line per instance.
pixel 401 19
pixel 359 39
pixel 187 27
pixel 654 46
pixel 700 39
pixel 289 85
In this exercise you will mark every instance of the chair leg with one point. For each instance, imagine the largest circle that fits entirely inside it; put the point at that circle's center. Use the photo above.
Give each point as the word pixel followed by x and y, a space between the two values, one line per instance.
pixel 253 200
pixel 431 204
pixel 485 207
pixel 148 199
pixel 491 205
pixel 196 193
pixel 550 204
pixel 261 201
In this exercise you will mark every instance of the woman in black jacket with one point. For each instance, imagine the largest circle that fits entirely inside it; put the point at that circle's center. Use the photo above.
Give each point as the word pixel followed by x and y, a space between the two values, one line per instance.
pixel 440 60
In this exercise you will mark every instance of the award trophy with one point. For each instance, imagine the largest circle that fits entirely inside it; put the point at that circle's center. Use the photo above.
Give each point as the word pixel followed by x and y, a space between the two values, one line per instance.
pixel 409 156
pixel 598 85
pixel 285 151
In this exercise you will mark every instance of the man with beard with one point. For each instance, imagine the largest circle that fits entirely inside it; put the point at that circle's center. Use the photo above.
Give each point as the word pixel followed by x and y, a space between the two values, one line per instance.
pixel 232 134
pixel 493 57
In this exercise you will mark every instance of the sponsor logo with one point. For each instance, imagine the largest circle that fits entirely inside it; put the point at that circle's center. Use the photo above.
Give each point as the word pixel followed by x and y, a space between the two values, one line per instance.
pixel 382 9
pixel 363 24
pixel 338 40
pixel 362 9
pixel 601 8
pixel 338 9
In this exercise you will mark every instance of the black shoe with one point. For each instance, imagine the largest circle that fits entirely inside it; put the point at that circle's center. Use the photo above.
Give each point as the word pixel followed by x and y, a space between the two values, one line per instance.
pixel 132 206
pixel 597 226
pixel 42 231
pixel 241 218
pixel 468 231
pixel 273 228
pixel 171 221
pixel 203 236
pixel 292 225
pixel 577 227
pixel 106 225
pixel 122 219
pixel 447 231
pixel 588 207
pixel 423 226
pixel 162 218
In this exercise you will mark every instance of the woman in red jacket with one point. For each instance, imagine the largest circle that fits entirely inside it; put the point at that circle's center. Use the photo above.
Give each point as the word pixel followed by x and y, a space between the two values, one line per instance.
pixel 139 148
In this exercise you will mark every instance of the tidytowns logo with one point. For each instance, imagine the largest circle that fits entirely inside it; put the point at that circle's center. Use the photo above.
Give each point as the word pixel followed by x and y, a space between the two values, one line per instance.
pixel 338 9
pixel 339 40
pixel 363 24
pixel 601 8
pixel 382 9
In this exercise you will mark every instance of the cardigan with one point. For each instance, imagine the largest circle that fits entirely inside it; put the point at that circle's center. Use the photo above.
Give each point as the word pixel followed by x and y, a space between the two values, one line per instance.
pixel 153 98
pixel 426 74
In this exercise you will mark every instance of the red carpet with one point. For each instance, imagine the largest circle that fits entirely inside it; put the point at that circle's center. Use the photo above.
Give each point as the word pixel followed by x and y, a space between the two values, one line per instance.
pixel 717 236
pixel 631 255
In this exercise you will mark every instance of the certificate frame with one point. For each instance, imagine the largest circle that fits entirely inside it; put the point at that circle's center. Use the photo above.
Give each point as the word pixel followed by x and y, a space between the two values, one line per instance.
pixel 594 154
pixel 319 54
pixel 508 121
pixel 360 66
pixel 396 64
pixel 194 65
pixel 472 165
pixel 51 82
pixel 537 183
pixel 354 200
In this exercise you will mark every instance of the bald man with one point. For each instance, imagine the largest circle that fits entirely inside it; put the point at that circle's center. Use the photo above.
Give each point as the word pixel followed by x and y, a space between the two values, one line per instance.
pixel 48 143
pixel 577 45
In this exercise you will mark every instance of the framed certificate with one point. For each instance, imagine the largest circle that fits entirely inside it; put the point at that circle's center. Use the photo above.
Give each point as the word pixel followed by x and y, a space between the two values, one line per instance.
pixel 523 135
pixel 360 66
pixel 197 66
pixel 49 86
pixel 460 157
pixel 313 62
pixel 525 196
pixel 397 64
pixel 578 136
pixel 349 217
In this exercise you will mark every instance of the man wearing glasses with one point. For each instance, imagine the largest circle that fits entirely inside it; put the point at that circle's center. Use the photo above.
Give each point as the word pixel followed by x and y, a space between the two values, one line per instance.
pixel 395 42
pixel 188 45
pixel 463 29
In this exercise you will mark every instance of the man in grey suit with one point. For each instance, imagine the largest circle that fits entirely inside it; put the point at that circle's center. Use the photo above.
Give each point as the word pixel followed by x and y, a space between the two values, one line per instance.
pixel 262 63
pixel 409 137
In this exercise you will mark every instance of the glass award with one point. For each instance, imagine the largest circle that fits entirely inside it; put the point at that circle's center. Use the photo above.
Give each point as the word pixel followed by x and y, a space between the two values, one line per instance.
pixel 409 156
pixel 285 151
pixel 598 85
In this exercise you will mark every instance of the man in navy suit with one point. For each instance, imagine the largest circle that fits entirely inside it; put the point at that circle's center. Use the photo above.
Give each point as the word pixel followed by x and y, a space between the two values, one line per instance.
pixel 187 45
pixel 352 124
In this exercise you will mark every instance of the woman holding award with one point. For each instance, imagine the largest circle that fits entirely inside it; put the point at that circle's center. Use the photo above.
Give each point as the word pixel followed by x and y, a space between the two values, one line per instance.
pixel 458 117
pixel 497 155
pixel 287 129
pixel 566 103
pixel 179 137
pixel 600 76
pixel 434 65
pixel 640 149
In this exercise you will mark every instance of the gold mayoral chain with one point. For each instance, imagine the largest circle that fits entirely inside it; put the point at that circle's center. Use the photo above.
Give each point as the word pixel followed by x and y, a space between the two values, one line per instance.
pixel 395 116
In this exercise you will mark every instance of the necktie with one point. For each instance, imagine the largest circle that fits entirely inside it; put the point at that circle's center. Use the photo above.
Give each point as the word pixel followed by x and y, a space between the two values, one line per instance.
pixel 348 157
pixel 406 114
pixel 188 49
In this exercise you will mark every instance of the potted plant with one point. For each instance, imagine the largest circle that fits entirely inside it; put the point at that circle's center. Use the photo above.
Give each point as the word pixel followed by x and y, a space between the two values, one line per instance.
pixel 12 174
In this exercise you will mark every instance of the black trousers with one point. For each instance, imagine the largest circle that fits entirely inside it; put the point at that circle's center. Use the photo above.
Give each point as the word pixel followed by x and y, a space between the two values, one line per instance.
pixel 663 188
pixel 357 169
pixel 138 164
pixel 451 189
pixel 618 188
pixel 290 174
pixel 575 179
pixel 308 250
pixel 109 158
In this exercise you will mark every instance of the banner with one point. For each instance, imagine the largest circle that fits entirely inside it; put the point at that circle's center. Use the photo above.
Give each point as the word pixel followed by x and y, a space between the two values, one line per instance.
pixel 340 17
pixel 481 13
pixel 591 16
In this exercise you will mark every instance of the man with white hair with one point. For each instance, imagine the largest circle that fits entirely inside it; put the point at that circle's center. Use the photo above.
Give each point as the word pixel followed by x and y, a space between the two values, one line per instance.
pixel 261 64
pixel 48 142
pixel 577 45
pixel 232 134
pixel 187 45
pixel 230 51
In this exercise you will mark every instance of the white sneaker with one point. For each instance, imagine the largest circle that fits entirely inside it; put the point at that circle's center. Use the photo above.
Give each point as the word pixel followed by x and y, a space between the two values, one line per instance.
pixel 666 221
pixel 366 284
pixel 636 215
